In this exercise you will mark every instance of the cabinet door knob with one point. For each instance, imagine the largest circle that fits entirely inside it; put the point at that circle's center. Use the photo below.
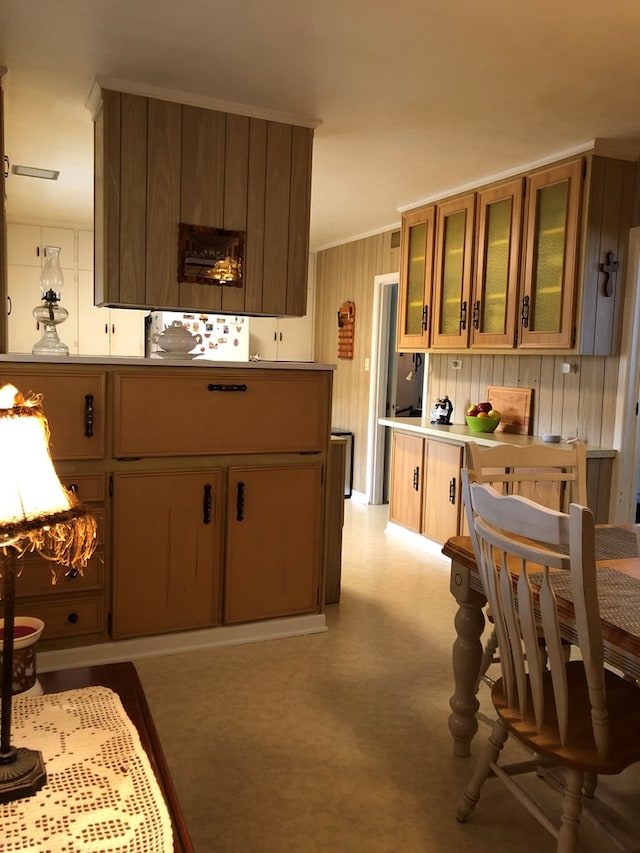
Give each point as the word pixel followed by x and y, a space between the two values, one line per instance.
pixel 88 415
pixel 73 618
pixel 206 504
pixel 72 574
pixel 240 502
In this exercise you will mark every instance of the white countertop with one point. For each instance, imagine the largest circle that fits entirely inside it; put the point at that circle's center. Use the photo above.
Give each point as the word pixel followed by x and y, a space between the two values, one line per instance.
pixel 23 358
pixel 459 434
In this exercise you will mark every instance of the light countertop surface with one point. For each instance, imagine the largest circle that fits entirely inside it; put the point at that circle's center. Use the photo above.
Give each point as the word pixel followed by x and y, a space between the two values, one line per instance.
pixel 23 358
pixel 461 434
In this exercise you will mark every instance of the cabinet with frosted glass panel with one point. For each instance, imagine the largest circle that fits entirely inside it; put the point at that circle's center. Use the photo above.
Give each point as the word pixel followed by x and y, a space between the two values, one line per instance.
pixel 455 221
pixel 416 275
pixel 536 263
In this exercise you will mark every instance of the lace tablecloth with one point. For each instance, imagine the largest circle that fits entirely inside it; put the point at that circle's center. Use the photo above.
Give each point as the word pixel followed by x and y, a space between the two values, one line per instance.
pixel 101 795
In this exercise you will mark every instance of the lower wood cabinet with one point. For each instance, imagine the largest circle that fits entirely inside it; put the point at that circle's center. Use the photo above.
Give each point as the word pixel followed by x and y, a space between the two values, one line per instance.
pixel 407 467
pixel 273 541
pixel 425 486
pixel 442 499
pixel 166 551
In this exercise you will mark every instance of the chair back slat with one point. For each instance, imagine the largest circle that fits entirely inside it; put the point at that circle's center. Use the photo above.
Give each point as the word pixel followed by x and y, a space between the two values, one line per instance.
pixel 552 475
pixel 516 537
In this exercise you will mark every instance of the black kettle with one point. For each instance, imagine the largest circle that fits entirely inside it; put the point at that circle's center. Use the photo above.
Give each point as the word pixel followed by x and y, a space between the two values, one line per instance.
pixel 442 411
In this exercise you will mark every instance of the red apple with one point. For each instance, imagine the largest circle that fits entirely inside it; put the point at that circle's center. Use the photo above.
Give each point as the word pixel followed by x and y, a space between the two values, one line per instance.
pixel 472 411
pixel 485 407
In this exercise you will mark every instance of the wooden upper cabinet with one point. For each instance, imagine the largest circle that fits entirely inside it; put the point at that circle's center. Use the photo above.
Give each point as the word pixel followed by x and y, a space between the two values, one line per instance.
pixel 498 239
pixel 416 275
pixel 452 274
pixel 159 163
pixel 547 313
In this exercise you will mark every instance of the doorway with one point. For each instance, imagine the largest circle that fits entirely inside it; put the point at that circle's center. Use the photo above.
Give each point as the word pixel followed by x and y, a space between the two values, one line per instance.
pixel 396 386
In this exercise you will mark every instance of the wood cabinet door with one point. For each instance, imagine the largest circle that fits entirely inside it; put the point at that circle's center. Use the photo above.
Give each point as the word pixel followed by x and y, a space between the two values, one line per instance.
pixel 407 468
pixel 452 273
pixel 274 544
pixel 201 411
pixel 416 274
pixel 552 223
pixel 442 498
pixel 73 403
pixel 496 277
pixel 166 551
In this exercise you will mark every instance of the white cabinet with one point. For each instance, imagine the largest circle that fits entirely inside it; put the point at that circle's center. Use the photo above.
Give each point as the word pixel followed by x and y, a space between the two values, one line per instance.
pixel 104 331
pixel 25 255
pixel 284 338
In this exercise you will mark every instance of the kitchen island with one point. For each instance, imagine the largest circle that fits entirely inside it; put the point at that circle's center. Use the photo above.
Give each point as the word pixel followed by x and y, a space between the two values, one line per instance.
pixel 208 482
pixel 425 477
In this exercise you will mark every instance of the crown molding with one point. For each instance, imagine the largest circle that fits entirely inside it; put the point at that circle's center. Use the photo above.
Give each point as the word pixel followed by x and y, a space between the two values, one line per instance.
pixel 500 176
pixel 95 97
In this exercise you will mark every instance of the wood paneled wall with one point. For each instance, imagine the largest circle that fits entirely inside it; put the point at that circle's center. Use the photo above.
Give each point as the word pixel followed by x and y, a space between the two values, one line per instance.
pixel 344 273
pixel 579 403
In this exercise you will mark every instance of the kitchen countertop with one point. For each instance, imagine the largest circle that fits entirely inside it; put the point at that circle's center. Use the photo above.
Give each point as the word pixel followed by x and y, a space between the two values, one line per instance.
pixel 461 434
pixel 23 358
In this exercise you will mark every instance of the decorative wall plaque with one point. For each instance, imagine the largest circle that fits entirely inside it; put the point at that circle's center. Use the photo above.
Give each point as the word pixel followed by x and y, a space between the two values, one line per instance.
pixel 346 329
pixel 210 255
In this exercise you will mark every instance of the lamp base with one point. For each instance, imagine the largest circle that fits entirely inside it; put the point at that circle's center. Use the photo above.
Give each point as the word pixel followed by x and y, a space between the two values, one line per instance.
pixel 22 774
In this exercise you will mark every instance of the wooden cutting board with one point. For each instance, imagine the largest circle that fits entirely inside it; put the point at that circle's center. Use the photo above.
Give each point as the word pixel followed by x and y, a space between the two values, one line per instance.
pixel 515 405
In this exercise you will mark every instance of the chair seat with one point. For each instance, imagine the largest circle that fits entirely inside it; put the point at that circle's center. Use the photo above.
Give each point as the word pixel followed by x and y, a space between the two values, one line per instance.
pixel 623 702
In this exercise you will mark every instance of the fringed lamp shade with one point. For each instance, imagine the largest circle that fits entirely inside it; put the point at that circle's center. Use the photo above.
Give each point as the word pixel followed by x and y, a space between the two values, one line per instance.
pixel 37 514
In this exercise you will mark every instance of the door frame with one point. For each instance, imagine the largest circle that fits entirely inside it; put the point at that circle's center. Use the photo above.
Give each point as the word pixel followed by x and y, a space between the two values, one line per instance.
pixel 626 469
pixel 379 365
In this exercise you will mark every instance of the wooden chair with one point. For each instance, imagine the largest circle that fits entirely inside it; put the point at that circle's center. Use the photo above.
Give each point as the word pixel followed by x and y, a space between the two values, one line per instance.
pixel 576 715
pixel 551 475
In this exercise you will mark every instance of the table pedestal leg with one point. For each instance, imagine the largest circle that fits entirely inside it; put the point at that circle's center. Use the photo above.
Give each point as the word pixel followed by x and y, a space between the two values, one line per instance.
pixel 467 659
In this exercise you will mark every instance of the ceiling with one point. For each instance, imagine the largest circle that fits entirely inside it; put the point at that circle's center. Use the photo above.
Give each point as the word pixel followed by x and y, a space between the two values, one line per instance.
pixel 414 98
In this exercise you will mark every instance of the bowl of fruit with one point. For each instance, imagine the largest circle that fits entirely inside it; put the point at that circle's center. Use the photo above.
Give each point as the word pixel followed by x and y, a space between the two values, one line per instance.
pixel 482 417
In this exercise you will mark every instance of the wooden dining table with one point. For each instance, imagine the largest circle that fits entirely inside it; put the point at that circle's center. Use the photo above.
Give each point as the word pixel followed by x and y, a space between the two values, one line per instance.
pixel 621 632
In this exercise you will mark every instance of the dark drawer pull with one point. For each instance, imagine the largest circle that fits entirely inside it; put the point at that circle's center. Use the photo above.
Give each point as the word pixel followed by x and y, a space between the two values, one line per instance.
pixel 88 415
pixel 206 504
pixel 72 618
pixel 73 487
pixel 72 574
pixel 425 317
pixel 211 387
pixel 452 490
pixel 416 478
pixel 240 502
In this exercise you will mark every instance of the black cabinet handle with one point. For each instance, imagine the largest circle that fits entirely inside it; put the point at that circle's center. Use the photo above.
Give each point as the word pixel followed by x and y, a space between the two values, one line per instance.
pixel 88 415
pixel 524 314
pixel 73 487
pixel 206 504
pixel 476 314
pixel 10 308
pixel 72 618
pixel 416 478
pixel 72 574
pixel 452 490
pixel 212 387
pixel 425 317
pixel 240 502
pixel 463 315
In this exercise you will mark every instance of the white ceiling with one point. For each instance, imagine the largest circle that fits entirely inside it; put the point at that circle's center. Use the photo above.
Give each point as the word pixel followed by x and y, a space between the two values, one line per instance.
pixel 415 98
